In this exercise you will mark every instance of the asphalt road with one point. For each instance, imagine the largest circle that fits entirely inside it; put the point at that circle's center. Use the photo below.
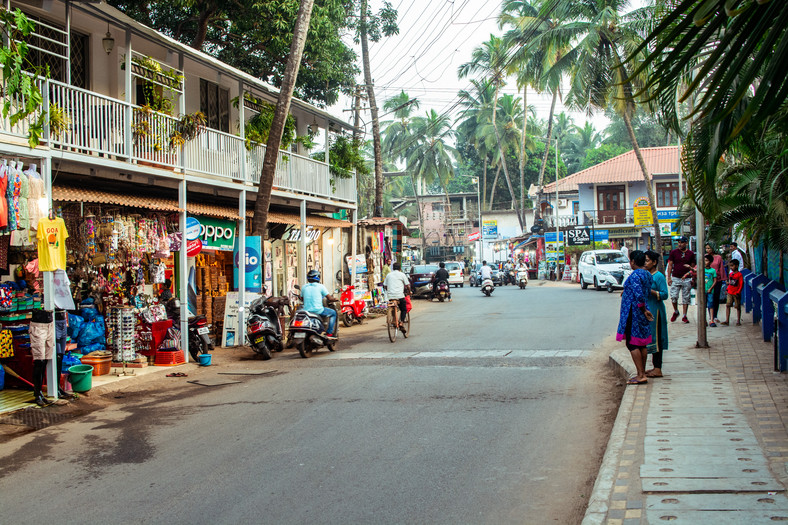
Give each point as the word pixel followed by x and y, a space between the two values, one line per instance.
pixel 495 410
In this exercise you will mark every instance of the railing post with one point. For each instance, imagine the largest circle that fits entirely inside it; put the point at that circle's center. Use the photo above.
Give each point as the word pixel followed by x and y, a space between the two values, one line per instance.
pixel 45 108
pixel 242 130
pixel 127 87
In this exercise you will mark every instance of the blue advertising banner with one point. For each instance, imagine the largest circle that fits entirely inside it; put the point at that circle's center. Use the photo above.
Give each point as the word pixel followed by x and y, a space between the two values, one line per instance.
pixel 253 270
pixel 601 235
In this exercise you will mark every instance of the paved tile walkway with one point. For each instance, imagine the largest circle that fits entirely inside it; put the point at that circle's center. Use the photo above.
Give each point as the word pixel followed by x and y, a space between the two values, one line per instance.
pixel 707 443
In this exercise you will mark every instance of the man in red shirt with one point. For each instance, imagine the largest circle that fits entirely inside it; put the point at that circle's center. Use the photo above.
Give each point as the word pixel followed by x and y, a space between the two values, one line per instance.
pixel 735 284
pixel 681 263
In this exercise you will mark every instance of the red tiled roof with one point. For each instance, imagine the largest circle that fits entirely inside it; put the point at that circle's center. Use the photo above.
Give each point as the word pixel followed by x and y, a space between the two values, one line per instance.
pixel 624 168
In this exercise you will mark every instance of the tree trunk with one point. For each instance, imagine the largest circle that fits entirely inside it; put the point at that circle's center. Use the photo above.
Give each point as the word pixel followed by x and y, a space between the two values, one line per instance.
pixel 202 25
pixel 483 193
pixel 503 161
pixel 649 188
pixel 492 191
pixel 522 152
pixel 373 108
pixel 421 219
pixel 544 158
pixel 450 231
pixel 260 218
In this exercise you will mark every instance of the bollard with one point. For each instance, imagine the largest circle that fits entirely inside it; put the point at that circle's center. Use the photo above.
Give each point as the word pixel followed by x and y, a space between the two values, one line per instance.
pixel 757 282
pixel 780 299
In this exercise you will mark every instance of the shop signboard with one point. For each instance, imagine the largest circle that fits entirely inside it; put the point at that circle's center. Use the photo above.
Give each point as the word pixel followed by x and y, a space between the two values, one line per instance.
pixel 231 317
pixel 475 236
pixel 361 263
pixel 192 228
pixel 554 250
pixel 600 235
pixel 312 234
pixel 642 212
pixel 217 234
pixel 193 247
pixel 490 229
pixel 252 265
pixel 624 233
pixel 578 236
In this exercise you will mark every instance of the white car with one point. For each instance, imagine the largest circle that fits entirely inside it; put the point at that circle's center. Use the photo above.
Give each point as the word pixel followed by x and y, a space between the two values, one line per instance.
pixel 604 269
pixel 455 273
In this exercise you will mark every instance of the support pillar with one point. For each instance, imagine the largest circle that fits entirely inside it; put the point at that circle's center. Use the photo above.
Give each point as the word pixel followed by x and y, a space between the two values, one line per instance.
pixel 241 329
pixel 183 278
pixel 302 246
pixel 53 375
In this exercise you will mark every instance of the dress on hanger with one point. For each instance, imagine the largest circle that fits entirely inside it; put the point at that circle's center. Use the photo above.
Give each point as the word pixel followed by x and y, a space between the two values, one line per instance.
pixel 9 193
pixel 3 201
pixel 34 195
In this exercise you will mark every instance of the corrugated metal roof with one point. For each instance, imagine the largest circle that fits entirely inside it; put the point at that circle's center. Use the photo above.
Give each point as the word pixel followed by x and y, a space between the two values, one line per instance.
pixel 311 220
pixel 624 168
pixel 73 194
pixel 383 221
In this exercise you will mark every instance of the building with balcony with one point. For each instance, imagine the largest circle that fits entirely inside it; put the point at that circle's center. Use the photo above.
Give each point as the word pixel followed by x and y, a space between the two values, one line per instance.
pixel 122 143
pixel 603 196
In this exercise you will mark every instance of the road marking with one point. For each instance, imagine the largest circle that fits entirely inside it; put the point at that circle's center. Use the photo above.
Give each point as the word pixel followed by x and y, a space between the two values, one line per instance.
pixel 464 354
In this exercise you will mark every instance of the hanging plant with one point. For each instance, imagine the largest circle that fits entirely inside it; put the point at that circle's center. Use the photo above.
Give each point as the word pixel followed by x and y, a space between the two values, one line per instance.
pixel 59 120
pixel 344 158
pixel 188 127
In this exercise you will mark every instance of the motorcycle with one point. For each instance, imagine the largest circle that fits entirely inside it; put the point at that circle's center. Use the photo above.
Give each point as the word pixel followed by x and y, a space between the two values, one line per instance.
pixel 522 278
pixel 200 341
pixel 441 291
pixel 488 287
pixel 352 309
pixel 308 332
pixel 509 277
pixel 262 327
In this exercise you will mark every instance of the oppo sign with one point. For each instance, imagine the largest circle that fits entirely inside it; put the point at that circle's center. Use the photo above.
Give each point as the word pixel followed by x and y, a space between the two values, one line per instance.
pixel 217 234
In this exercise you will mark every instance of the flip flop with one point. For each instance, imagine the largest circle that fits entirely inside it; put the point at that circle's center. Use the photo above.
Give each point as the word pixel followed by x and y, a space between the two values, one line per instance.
pixel 177 374
pixel 652 375
pixel 634 381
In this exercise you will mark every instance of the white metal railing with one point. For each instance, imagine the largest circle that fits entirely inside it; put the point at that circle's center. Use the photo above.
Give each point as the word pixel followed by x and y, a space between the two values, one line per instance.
pixel 101 125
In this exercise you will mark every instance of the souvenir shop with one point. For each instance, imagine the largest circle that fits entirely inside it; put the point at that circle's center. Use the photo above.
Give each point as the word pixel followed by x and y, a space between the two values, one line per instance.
pixel 382 242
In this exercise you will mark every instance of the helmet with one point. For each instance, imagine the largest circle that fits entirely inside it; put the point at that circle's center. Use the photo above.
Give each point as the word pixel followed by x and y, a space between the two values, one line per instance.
pixel 313 276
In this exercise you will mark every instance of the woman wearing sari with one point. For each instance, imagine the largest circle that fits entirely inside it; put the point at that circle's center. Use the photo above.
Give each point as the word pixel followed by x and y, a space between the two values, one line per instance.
pixel 634 320
pixel 655 305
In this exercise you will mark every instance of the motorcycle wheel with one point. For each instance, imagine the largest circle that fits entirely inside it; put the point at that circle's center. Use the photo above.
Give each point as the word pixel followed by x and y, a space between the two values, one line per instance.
pixel 487 293
pixel 347 320
pixel 522 287
pixel 262 350
pixel 196 348
pixel 305 349
pixel 440 298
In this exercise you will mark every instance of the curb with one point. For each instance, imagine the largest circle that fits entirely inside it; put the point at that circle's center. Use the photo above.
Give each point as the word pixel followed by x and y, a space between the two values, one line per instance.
pixel 597 508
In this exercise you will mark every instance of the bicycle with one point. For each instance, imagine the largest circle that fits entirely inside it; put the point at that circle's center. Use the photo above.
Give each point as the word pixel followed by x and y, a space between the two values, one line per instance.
pixel 392 318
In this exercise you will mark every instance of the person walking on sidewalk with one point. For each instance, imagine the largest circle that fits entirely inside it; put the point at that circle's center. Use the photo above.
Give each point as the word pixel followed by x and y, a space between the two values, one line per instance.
pixel 656 305
pixel 735 283
pixel 634 320
pixel 681 265
pixel 709 276
pixel 719 267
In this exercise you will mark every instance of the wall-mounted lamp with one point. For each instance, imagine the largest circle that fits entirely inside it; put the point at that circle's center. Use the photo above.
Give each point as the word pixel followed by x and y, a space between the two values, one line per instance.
pixel 108 42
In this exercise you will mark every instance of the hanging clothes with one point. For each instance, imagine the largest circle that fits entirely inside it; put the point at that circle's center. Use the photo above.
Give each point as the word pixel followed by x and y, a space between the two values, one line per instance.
pixel 52 235
pixel 35 196
pixel 3 189
pixel 13 207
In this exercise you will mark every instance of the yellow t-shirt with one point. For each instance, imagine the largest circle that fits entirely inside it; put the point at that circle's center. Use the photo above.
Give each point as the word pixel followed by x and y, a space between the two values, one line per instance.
pixel 52 235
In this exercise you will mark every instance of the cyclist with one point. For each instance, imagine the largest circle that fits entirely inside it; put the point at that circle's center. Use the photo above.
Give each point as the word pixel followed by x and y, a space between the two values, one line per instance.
pixel 313 293
pixel 397 286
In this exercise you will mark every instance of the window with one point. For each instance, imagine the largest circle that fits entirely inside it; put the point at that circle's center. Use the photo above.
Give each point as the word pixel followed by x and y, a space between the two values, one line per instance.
pixel 667 194
pixel 48 49
pixel 215 103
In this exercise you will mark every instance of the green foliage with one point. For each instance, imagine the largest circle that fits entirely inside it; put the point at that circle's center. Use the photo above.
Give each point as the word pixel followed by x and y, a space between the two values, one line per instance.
pixel 344 157
pixel 255 37
pixel 649 131
pixel 602 153
pixel 22 99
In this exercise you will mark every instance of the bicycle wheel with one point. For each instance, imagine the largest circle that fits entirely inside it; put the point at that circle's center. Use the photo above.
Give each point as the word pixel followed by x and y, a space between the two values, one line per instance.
pixel 391 323
pixel 407 325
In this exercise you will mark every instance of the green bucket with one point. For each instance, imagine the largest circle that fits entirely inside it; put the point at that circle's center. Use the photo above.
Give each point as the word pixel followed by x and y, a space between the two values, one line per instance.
pixel 81 378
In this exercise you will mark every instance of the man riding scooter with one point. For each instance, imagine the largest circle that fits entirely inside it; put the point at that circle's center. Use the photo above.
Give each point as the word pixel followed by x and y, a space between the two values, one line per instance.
pixel 441 275
pixel 312 294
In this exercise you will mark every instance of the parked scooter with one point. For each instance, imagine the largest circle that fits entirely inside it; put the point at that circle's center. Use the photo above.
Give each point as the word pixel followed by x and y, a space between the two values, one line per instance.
pixel 522 278
pixel 352 309
pixel 488 287
pixel 200 341
pixel 441 291
pixel 263 329
pixel 308 332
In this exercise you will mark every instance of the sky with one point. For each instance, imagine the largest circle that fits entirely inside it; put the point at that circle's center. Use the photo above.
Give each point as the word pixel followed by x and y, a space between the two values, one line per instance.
pixel 435 38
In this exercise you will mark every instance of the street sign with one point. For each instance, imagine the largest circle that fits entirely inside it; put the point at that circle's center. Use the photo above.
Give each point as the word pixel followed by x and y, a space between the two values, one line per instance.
pixel 578 237
pixel 490 228
pixel 475 236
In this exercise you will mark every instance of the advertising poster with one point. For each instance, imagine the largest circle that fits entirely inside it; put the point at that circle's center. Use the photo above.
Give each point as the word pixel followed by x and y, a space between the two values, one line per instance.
pixel 554 250
pixel 252 270
pixel 642 212
pixel 231 318
pixel 268 269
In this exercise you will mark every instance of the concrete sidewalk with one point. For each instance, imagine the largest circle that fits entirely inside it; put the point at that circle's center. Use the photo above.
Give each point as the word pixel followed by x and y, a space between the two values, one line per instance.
pixel 707 443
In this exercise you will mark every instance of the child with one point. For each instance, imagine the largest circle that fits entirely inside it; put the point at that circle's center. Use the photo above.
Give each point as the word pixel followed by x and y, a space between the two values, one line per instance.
pixel 735 283
pixel 710 275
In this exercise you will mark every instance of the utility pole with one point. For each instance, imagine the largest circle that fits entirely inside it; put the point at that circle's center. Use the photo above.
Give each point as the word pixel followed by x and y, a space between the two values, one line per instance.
pixel 356 113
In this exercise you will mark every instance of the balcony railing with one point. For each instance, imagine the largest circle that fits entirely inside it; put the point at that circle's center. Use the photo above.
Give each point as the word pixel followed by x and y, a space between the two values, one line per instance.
pixel 101 125
pixel 603 217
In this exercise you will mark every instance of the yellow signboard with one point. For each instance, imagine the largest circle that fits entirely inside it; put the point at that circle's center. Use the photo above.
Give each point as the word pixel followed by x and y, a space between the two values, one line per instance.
pixel 642 212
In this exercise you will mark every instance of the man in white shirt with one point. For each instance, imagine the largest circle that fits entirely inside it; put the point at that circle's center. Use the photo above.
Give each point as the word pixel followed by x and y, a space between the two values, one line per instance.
pixel 397 286
pixel 486 271
pixel 736 254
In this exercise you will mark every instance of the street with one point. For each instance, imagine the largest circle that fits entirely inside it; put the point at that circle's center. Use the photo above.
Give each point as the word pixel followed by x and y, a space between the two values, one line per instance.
pixel 495 410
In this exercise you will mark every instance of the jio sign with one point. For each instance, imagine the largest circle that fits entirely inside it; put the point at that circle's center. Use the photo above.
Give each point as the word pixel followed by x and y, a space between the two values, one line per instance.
pixel 252 268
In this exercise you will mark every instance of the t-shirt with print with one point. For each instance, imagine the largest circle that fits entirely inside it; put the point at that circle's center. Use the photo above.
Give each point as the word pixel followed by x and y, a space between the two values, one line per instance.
pixel 51 236
pixel 735 283
pixel 711 276
pixel 682 262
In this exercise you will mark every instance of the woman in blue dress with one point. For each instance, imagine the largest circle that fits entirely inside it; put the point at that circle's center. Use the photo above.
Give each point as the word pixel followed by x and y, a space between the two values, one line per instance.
pixel 655 305
pixel 634 320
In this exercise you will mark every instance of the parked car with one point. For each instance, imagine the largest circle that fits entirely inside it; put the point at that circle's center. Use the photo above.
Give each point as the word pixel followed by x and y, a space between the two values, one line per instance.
pixel 421 276
pixel 455 273
pixel 475 280
pixel 604 269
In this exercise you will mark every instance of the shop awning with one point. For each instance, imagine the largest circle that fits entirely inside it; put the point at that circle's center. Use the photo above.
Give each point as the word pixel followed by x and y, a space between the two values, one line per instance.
pixel 72 194
pixel 311 220
pixel 219 212
pixel 384 221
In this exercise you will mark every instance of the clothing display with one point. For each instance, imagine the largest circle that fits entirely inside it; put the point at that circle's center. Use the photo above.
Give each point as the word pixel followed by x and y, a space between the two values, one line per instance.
pixel 6 344
pixel 35 196
pixel 52 235
pixel 3 199
pixel 42 340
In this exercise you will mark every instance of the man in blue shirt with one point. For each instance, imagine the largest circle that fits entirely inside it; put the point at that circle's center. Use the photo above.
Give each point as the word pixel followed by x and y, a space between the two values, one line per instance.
pixel 313 293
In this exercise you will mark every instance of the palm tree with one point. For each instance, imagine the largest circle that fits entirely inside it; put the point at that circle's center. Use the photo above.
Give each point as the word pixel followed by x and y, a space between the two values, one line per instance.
pixel 491 59
pixel 432 159
pixel 477 111
pixel 581 140
pixel 600 35
pixel 263 201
